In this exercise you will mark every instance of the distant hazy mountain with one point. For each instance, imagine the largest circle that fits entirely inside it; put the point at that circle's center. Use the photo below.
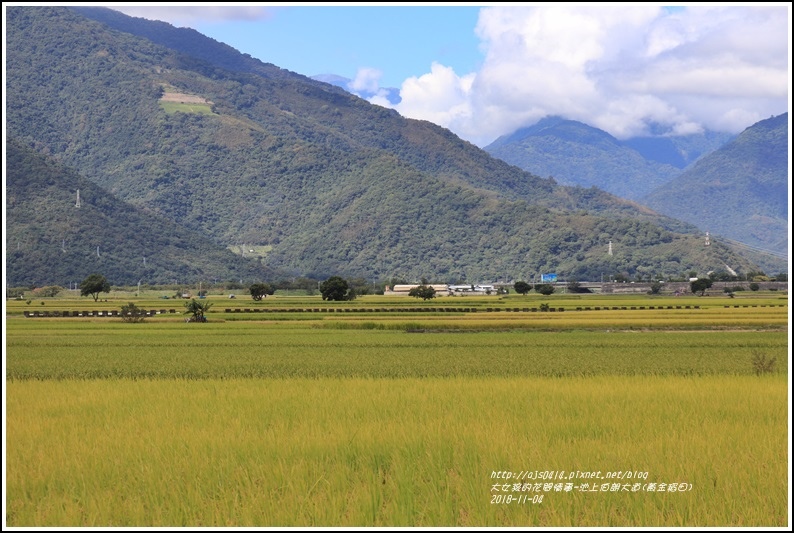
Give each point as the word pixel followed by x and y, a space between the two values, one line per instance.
pixel 240 151
pixel 574 153
pixel 739 191
pixel 391 94
pixel 679 151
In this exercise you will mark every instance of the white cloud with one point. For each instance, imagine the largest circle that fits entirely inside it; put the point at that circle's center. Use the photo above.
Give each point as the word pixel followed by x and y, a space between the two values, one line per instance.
pixel 615 67
pixel 441 97
pixel 367 80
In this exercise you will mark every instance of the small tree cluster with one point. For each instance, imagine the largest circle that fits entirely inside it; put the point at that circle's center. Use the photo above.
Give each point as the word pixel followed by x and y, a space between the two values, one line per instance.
pixel 522 287
pixel 700 285
pixel 336 288
pixel 132 313
pixel 425 292
pixel 50 291
pixel 544 289
pixel 261 290
pixel 656 288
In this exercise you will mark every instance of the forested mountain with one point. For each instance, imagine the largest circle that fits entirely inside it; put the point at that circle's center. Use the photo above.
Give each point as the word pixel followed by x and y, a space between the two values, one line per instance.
pixel 241 151
pixel 51 241
pixel 739 191
pixel 574 153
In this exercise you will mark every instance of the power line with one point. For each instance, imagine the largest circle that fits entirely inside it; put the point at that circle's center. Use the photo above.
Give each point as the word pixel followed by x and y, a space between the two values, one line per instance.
pixel 738 244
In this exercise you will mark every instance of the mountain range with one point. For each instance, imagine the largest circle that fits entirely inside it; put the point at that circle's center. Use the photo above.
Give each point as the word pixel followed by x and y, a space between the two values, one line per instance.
pixel 200 148
pixel 739 191
pixel 574 153
pixel 733 186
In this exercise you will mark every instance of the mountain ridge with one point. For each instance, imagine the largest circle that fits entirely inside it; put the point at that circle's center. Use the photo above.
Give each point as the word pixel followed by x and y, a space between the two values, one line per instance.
pixel 748 177
pixel 334 184
pixel 50 240
pixel 575 153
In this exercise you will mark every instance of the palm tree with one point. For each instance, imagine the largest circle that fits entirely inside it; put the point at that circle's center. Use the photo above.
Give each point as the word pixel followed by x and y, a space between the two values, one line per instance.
pixel 197 309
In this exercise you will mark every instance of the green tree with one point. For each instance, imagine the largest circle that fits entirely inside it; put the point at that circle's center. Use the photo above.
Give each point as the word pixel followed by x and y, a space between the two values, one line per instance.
pixel 656 288
pixel 197 310
pixel 93 285
pixel 544 288
pixel 261 290
pixel 425 292
pixel 522 287
pixel 50 291
pixel 700 285
pixel 336 288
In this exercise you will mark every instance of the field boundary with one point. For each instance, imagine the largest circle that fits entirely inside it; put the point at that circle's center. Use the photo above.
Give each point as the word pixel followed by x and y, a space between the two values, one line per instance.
pixel 424 310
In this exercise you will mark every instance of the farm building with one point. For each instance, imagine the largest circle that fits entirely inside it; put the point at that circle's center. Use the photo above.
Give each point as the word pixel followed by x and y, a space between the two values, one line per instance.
pixel 405 289
pixel 471 289
pixel 442 289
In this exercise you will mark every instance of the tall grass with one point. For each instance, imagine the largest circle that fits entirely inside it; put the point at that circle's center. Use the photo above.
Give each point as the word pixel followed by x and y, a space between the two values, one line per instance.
pixel 409 452
pixel 397 419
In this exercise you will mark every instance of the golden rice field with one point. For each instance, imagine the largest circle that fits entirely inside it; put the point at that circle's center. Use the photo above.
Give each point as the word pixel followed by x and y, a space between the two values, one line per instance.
pixel 651 418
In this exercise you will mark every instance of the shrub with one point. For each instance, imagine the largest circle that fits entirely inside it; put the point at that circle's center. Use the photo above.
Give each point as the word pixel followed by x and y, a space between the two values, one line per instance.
pixel 47 292
pixel 763 364
pixel 132 313
pixel 544 288
pixel 15 292
pixel 656 288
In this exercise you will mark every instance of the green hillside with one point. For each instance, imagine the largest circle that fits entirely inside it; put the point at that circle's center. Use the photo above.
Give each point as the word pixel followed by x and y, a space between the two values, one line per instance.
pixel 331 183
pixel 51 241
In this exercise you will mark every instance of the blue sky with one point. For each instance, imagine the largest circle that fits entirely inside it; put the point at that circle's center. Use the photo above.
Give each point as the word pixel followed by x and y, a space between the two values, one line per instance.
pixel 398 41
pixel 486 70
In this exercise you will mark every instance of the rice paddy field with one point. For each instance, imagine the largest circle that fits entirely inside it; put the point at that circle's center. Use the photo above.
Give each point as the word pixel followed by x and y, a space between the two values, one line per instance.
pixel 474 412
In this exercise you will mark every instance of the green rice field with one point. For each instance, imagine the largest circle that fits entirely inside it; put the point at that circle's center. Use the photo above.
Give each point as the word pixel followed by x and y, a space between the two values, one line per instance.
pixel 390 412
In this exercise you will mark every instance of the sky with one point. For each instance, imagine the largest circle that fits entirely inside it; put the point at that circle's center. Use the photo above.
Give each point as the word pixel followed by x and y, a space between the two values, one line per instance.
pixel 485 70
